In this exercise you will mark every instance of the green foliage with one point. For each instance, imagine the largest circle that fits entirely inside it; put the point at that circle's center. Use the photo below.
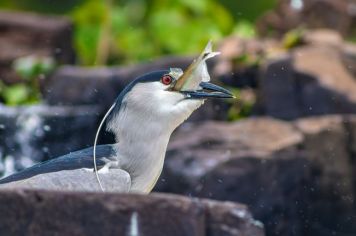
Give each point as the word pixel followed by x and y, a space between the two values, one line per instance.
pixel 30 67
pixel 141 30
pixel 248 10
pixel 128 31
pixel 245 29
pixel 239 108
pixel 15 95
pixel 28 92
pixel 293 38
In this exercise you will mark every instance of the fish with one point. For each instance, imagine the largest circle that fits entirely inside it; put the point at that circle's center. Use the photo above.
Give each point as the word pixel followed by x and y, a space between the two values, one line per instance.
pixel 197 72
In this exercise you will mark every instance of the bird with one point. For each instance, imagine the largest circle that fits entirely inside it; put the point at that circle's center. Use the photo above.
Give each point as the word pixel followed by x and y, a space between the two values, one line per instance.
pixel 142 119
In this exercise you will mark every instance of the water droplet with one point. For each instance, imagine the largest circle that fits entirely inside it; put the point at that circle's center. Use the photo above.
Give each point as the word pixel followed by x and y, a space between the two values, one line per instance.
pixel 47 128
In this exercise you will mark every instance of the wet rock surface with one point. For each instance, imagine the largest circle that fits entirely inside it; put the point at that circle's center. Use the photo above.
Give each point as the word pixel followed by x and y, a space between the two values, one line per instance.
pixel 297 178
pixel 42 213
pixel 36 133
pixel 328 141
pixel 337 15
pixel 24 34
pixel 311 80
pixel 254 161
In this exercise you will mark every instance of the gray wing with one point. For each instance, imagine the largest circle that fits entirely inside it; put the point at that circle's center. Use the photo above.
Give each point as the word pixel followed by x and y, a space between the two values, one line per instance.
pixel 70 172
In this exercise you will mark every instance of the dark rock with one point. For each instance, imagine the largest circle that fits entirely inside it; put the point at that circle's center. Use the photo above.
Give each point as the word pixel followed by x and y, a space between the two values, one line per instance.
pixel 201 148
pixel 312 14
pixel 237 64
pixel 36 133
pixel 225 218
pixel 349 57
pixel 297 178
pixel 277 95
pixel 255 161
pixel 327 145
pixel 323 37
pixel 326 86
pixel 24 34
pixel 327 14
pixel 313 80
pixel 52 213
pixel 280 20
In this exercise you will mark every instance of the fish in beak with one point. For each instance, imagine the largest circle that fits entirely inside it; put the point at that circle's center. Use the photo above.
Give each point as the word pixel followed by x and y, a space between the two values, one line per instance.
pixel 194 82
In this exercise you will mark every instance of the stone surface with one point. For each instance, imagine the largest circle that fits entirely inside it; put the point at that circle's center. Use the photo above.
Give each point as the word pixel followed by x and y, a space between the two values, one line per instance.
pixel 24 34
pixel 277 81
pixel 296 177
pixel 52 213
pixel 327 143
pixel 326 86
pixel 255 161
pixel 312 80
pixel 36 133
pixel 336 15
pixel 276 20
pixel 323 37
pixel 237 64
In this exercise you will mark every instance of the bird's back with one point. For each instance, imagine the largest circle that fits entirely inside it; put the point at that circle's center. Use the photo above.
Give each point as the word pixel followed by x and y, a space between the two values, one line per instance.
pixel 73 171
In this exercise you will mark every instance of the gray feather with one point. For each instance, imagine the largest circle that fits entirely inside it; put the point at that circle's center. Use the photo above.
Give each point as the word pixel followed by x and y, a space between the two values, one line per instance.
pixel 116 180
pixel 75 160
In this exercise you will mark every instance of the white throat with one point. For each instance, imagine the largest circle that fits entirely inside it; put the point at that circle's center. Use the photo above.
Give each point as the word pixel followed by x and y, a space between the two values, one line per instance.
pixel 142 130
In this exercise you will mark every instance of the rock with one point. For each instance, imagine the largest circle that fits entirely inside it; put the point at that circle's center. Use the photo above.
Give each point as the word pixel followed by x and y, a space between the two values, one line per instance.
pixel 198 149
pixel 326 85
pixel 299 173
pixel 24 34
pixel 277 94
pixel 323 37
pixel 349 57
pixel 327 14
pixel 36 133
pixel 225 218
pixel 313 80
pixel 237 64
pixel 327 145
pixel 255 161
pixel 311 14
pixel 280 20
pixel 54 213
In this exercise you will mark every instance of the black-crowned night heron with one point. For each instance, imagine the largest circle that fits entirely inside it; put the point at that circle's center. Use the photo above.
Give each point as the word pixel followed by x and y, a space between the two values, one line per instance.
pixel 142 119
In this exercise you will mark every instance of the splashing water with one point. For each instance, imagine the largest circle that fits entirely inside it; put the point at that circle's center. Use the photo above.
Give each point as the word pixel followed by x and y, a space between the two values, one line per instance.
pixel 297 4
pixel 29 128
pixel 133 228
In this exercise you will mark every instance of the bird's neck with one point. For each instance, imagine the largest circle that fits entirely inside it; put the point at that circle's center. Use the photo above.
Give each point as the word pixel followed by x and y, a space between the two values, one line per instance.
pixel 141 148
pixel 142 130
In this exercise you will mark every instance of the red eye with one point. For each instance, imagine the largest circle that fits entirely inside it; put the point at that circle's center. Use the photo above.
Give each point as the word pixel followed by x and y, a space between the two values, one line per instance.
pixel 166 79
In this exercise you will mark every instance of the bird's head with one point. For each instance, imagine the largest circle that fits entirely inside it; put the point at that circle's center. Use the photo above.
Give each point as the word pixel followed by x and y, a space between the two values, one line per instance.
pixel 155 98
pixel 165 98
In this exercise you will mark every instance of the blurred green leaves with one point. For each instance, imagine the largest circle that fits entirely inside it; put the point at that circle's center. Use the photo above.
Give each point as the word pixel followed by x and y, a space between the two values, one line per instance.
pixel 15 94
pixel 140 30
pixel 30 69
pixel 31 66
pixel 127 31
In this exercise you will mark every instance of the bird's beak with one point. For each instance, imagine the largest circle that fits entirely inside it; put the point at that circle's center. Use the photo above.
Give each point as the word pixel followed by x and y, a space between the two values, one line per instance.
pixel 208 90
pixel 193 83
